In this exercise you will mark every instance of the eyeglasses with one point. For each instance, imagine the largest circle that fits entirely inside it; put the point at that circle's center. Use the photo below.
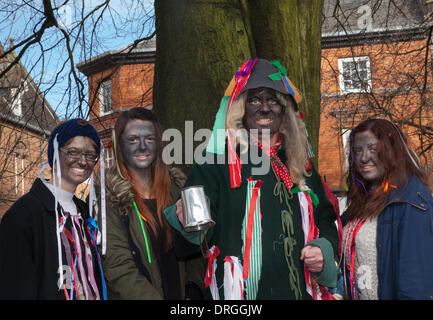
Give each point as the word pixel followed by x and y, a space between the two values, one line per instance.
pixel 76 154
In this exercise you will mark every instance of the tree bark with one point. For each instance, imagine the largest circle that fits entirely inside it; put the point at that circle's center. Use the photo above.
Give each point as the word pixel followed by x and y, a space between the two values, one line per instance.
pixel 200 44
pixel 290 31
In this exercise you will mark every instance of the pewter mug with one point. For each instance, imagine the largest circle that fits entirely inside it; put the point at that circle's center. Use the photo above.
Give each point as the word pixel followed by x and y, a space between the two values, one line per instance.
pixel 196 213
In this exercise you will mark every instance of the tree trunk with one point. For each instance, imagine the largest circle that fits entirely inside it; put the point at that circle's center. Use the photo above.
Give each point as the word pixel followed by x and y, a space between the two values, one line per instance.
pixel 290 31
pixel 200 44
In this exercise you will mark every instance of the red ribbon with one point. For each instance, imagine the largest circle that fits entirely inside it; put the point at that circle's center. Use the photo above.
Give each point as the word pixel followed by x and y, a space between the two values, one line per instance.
pixel 209 272
pixel 232 266
pixel 250 224
pixel 352 255
pixel 313 233
pixel 279 167
pixel 235 164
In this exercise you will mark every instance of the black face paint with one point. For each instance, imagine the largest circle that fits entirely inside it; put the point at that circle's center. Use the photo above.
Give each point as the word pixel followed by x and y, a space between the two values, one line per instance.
pixel 262 110
pixel 366 159
pixel 138 144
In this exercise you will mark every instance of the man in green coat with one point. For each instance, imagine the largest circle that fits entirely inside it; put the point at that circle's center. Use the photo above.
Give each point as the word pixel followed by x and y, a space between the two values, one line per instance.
pixel 275 235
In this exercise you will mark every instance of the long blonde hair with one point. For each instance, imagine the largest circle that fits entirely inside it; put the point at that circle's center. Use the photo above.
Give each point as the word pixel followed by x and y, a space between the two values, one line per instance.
pixel 292 129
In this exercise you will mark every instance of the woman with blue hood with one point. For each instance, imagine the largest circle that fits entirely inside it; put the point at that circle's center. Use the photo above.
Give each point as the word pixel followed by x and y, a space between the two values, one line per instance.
pixel 48 239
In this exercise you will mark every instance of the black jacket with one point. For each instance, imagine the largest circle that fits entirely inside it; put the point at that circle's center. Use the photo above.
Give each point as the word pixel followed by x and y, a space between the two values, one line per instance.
pixel 28 247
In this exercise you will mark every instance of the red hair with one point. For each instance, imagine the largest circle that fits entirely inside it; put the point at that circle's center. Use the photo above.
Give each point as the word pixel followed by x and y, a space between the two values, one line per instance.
pixel 399 165
pixel 160 182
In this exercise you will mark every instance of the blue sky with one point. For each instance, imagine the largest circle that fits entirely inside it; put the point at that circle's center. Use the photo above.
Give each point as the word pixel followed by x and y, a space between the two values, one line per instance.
pixel 126 21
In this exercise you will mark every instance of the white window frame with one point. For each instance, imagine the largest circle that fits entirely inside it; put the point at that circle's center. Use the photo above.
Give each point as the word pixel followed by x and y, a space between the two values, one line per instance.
pixel 341 70
pixel 102 102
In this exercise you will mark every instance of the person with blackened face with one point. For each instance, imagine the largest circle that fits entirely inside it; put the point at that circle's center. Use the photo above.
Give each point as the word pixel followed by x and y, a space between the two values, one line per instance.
pixel 140 262
pixel 48 239
pixel 388 238
pixel 265 243
pixel 263 111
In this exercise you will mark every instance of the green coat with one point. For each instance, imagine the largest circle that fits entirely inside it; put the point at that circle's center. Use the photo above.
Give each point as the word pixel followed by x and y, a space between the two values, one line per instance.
pixel 123 278
pixel 228 210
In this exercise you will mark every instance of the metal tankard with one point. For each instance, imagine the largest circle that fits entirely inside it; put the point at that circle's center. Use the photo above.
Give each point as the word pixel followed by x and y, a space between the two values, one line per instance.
pixel 196 213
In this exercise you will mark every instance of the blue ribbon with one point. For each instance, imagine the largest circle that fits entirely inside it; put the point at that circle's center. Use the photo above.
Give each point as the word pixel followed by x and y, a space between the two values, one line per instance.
pixel 91 225
pixel 288 85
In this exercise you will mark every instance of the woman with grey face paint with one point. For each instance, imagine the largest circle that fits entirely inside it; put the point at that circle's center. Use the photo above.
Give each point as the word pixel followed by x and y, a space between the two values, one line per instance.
pixel 140 261
pixel 388 237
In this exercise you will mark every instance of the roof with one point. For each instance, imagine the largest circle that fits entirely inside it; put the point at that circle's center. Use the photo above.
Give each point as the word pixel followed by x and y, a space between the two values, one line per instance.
pixel 352 22
pixel 140 51
pixel 37 114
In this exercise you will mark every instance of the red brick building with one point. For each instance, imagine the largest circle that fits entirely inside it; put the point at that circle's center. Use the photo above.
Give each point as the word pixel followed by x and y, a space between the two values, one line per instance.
pixel 377 63
pixel 26 120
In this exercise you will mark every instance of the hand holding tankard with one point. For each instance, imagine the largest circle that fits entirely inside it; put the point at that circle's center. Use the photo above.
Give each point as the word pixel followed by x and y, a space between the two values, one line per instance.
pixel 193 210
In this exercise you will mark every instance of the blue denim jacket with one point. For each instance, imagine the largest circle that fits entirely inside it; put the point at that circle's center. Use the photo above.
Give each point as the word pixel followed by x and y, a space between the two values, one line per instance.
pixel 404 245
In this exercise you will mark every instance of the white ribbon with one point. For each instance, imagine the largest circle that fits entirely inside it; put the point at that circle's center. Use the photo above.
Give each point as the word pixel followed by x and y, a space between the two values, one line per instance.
pixel 56 171
pixel 103 208
pixel 233 281
pixel 93 203
pixel 303 205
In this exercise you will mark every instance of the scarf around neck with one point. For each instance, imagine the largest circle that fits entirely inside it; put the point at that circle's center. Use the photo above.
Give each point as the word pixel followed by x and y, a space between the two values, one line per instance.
pixel 279 167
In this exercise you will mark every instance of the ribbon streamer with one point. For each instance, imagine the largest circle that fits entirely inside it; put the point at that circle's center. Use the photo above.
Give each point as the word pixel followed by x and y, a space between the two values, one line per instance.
pixel 252 239
pixel 311 232
pixel 142 230
pixel 233 282
pixel 235 164
pixel 210 279
pixel 92 229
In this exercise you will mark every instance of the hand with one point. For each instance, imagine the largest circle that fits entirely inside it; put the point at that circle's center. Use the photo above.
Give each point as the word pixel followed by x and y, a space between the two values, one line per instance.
pixel 313 258
pixel 179 211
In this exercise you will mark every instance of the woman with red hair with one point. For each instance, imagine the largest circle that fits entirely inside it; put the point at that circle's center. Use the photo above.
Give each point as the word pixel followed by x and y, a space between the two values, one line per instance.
pixel 388 236
pixel 140 261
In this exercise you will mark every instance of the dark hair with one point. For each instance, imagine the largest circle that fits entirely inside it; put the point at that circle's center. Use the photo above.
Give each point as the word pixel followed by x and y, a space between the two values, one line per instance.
pixel 399 165
pixel 160 178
